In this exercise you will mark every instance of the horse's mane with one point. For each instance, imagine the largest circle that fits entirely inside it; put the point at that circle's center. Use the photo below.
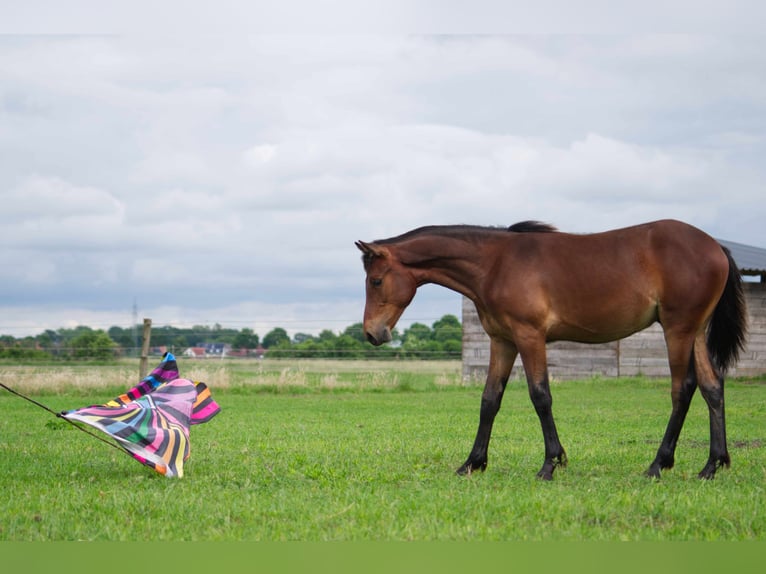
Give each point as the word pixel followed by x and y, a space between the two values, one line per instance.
pixel 467 231
pixel 532 226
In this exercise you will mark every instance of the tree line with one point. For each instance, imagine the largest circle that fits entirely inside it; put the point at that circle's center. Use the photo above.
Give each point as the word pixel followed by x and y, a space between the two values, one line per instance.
pixel 441 340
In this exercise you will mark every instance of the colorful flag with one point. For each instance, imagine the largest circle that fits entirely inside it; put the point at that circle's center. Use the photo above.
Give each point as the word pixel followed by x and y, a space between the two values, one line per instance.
pixel 151 421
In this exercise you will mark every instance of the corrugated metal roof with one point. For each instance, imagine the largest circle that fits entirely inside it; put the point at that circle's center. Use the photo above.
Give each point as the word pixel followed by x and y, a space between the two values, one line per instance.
pixel 751 260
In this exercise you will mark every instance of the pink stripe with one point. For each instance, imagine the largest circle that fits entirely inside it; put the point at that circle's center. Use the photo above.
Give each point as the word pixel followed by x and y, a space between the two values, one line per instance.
pixel 205 412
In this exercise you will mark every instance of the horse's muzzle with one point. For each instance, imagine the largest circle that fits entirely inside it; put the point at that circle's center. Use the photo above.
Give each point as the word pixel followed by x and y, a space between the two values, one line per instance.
pixel 377 339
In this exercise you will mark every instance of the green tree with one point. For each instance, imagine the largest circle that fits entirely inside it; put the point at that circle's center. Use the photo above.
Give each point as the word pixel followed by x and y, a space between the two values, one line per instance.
pixel 417 331
pixel 66 336
pixel 448 328
pixel 432 350
pixel 245 339
pixel 347 347
pixel 275 337
pixel 93 345
pixel 123 337
pixel 308 349
pixel 7 340
pixel 412 345
pixel 356 331
pixel 46 340
pixel 453 349
pixel 327 337
pixel 161 336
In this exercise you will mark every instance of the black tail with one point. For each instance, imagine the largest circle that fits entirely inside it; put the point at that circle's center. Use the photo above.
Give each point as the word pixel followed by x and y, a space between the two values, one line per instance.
pixel 728 326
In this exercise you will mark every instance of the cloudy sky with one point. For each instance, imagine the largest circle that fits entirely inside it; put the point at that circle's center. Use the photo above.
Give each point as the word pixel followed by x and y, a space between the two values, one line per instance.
pixel 224 178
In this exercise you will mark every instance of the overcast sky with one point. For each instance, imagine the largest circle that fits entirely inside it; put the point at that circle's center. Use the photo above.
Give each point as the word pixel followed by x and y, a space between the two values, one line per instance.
pixel 224 179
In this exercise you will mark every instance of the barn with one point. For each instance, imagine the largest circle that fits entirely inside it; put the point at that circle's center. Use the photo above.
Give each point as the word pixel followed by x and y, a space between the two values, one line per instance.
pixel 643 353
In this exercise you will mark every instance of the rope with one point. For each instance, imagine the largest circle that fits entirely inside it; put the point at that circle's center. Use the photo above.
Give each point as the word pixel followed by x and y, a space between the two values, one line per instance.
pixel 34 402
pixel 61 416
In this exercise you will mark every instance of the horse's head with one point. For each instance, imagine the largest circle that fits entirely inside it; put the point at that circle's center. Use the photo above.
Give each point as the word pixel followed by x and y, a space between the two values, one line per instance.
pixel 390 287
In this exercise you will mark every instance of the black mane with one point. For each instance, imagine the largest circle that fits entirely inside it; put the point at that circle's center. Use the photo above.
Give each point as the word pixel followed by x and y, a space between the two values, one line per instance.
pixel 466 231
pixel 532 226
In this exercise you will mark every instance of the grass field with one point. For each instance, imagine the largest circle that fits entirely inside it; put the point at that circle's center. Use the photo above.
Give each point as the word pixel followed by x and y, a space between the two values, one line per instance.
pixel 328 450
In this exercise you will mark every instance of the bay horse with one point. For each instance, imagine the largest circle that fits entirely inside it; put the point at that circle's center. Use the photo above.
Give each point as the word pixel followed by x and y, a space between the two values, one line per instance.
pixel 532 284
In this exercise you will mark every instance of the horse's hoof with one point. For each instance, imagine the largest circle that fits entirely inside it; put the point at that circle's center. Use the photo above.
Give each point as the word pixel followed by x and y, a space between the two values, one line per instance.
pixel 468 468
pixel 713 465
pixel 653 472
pixel 707 473
pixel 546 472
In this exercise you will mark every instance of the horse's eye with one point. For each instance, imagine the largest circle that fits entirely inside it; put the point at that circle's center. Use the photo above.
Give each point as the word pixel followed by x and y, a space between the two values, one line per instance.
pixel 376 282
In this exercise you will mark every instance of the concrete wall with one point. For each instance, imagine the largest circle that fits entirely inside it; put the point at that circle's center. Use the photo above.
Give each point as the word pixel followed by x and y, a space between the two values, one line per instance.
pixel 643 353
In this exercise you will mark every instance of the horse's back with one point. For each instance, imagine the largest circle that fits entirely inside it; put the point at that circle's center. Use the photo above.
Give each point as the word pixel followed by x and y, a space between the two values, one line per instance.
pixel 604 286
pixel 664 246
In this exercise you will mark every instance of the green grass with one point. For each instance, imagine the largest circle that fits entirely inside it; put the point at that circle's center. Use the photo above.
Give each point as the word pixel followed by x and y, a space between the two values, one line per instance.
pixel 357 453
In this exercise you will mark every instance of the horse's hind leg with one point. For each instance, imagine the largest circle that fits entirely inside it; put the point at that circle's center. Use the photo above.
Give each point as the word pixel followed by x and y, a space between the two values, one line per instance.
pixel 683 384
pixel 711 388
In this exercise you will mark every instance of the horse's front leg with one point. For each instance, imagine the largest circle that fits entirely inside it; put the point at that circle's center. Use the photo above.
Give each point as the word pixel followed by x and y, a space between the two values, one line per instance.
pixel 533 357
pixel 501 357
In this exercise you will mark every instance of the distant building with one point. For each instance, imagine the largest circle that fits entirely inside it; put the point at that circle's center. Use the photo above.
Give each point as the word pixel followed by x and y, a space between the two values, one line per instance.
pixel 215 349
pixel 195 352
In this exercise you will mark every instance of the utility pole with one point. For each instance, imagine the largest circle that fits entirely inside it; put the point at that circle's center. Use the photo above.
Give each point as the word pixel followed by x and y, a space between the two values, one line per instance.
pixel 142 367
pixel 135 327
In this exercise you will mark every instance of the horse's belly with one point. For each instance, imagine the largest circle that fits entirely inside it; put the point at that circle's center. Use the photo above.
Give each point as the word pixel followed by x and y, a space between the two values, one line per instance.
pixel 601 328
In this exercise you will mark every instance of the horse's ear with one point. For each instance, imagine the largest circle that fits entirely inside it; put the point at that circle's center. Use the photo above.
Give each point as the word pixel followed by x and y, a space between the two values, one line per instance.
pixel 370 249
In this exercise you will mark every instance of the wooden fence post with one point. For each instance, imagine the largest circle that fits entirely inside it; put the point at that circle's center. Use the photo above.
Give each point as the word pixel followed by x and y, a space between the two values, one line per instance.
pixel 142 367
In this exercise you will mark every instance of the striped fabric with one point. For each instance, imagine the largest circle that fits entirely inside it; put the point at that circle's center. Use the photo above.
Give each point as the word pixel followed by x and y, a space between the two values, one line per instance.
pixel 151 421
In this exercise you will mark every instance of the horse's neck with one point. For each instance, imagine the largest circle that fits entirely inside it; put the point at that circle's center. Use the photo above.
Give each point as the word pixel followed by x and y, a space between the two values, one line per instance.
pixel 449 262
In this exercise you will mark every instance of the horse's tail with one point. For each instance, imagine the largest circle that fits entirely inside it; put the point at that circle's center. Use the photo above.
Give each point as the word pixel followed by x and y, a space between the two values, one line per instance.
pixel 728 326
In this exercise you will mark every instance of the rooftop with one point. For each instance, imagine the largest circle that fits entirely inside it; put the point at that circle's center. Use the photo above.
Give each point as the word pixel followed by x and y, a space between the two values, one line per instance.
pixel 751 260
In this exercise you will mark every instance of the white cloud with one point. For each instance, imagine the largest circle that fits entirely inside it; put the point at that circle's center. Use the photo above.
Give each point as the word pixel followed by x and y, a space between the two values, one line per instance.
pixel 260 154
pixel 52 214
pixel 20 268
pixel 38 196
pixel 224 177
pixel 596 167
